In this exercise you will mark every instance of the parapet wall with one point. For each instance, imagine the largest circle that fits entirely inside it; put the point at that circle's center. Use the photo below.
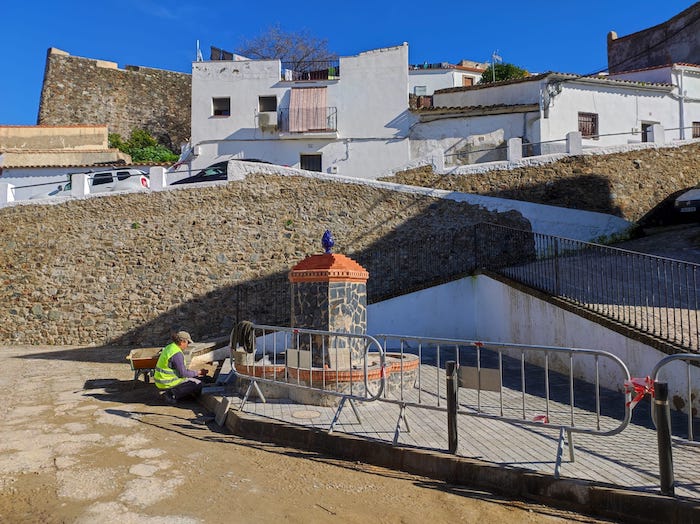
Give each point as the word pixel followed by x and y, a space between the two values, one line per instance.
pixel 127 269
pixel 95 92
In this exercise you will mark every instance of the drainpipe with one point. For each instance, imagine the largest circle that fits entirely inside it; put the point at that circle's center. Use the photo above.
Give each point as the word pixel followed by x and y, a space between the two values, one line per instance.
pixel 681 106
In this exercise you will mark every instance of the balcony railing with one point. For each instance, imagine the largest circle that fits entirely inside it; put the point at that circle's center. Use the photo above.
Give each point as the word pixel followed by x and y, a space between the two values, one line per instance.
pixel 307 120
pixel 315 70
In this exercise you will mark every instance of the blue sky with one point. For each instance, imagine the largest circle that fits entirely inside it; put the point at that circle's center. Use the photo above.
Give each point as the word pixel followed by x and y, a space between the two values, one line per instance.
pixel 568 36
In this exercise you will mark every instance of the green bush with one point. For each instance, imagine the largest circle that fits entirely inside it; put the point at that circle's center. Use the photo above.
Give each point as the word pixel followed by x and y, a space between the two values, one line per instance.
pixel 142 147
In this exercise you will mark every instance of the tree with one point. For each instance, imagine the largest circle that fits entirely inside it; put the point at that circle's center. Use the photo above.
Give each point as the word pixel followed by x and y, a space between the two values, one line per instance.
pixel 142 147
pixel 502 72
pixel 292 47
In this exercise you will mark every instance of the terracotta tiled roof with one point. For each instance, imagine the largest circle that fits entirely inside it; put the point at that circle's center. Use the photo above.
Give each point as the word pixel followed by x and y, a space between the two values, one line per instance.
pixel 329 267
pixel 562 77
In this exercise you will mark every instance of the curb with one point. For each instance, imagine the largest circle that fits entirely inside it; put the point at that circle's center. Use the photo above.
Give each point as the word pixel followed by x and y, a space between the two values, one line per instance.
pixel 581 496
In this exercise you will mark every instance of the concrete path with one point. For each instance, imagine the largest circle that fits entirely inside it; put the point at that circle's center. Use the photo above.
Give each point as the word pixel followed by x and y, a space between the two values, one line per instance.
pixel 628 460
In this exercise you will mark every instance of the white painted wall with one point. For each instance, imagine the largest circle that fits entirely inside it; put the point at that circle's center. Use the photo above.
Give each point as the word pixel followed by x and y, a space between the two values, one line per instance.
pixel 434 79
pixel 621 108
pixel 371 97
pixel 481 308
pixel 446 311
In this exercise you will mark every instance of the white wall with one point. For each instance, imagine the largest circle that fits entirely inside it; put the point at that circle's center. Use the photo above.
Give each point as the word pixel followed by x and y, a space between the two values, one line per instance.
pixel 481 308
pixel 451 135
pixel 434 79
pixel 622 110
pixel 619 110
pixel 371 97
pixel 525 92
pixel 446 311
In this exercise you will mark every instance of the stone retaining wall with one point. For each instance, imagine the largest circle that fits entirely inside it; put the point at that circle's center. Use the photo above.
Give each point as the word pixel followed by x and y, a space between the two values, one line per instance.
pixel 127 269
pixel 628 185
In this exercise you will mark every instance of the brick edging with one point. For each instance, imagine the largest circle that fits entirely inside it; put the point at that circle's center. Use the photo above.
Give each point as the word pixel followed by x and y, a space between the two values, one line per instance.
pixel 581 496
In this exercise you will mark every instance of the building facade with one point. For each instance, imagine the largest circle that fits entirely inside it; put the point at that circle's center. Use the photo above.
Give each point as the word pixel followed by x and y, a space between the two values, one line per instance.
pixel 472 124
pixel 349 116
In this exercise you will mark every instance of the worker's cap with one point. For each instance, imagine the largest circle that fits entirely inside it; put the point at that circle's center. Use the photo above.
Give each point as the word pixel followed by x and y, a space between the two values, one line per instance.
pixel 183 335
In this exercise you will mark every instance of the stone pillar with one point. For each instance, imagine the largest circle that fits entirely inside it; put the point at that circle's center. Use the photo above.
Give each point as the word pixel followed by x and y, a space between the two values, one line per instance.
pixel 329 293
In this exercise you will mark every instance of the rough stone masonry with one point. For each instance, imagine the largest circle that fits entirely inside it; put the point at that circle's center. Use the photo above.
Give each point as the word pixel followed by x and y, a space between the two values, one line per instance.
pixel 127 269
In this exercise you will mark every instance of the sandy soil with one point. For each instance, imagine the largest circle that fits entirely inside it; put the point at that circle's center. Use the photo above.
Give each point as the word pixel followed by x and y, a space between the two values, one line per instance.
pixel 80 443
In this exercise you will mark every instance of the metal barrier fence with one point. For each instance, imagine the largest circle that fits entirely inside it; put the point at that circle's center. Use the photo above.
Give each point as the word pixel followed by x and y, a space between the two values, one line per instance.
pixel 498 382
pixel 653 294
pixel 309 365
pixel 683 435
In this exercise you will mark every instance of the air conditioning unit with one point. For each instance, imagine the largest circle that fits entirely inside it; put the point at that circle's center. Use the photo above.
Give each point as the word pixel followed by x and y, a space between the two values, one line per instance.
pixel 267 119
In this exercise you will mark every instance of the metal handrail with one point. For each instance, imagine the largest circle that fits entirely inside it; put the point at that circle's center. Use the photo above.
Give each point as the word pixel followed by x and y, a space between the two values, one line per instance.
pixel 308 119
pixel 650 293
pixel 293 71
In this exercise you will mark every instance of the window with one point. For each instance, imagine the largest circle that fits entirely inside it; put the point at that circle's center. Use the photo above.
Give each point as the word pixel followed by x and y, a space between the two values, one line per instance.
pixel 101 178
pixel 123 175
pixel 221 106
pixel 696 129
pixel 467 81
pixel 588 125
pixel 420 90
pixel 267 103
pixel 310 162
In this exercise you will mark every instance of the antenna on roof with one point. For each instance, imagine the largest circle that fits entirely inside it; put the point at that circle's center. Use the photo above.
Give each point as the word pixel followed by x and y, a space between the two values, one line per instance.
pixel 199 53
pixel 495 57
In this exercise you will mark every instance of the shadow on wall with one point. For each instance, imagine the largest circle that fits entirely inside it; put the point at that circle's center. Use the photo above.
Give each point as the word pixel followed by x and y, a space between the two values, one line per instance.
pixel 433 247
pixel 586 192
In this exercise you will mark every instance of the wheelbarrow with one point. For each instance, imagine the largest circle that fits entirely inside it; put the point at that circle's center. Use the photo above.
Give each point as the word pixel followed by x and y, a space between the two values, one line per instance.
pixel 143 362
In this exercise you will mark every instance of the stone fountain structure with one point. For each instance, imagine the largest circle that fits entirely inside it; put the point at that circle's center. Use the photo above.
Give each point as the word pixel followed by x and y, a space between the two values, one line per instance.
pixel 329 294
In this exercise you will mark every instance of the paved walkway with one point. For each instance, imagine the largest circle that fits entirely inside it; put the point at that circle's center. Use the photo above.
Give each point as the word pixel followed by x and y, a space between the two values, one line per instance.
pixel 627 460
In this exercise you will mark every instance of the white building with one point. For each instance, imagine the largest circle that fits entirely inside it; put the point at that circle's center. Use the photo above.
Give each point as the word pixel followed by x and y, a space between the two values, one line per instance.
pixel 349 116
pixel 427 78
pixel 473 123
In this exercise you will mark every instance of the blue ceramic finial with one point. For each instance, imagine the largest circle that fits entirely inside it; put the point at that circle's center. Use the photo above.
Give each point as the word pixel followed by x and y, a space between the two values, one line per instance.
pixel 328 241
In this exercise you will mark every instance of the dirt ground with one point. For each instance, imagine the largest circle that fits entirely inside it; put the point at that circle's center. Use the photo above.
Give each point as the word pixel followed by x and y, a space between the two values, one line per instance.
pixel 80 443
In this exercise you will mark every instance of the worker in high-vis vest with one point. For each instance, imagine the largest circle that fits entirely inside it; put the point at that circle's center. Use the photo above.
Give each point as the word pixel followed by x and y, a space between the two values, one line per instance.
pixel 171 374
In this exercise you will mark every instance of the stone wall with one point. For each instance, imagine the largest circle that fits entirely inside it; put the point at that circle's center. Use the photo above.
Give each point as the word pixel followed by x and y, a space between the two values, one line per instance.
pixel 86 91
pixel 128 269
pixel 629 185
pixel 676 40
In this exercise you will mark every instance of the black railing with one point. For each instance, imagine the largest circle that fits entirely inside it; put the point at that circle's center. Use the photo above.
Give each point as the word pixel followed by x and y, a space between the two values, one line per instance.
pixel 307 120
pixel 652 294
pixel 312 70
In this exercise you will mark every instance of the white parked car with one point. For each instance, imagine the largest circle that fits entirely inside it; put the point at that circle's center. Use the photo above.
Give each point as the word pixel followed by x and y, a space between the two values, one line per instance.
pixel 689 202
pixel 104 181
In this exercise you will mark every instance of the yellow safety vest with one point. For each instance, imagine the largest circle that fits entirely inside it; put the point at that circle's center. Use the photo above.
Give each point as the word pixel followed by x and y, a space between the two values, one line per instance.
pixel 165 376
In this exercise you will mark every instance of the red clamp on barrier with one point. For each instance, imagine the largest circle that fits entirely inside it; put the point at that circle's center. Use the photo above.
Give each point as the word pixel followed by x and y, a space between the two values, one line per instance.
pixel 541 418
pixel 639 387
pixel 478 344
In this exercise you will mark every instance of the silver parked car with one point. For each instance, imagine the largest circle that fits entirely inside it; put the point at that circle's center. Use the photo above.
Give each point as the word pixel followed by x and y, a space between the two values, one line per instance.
pixel 105 181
